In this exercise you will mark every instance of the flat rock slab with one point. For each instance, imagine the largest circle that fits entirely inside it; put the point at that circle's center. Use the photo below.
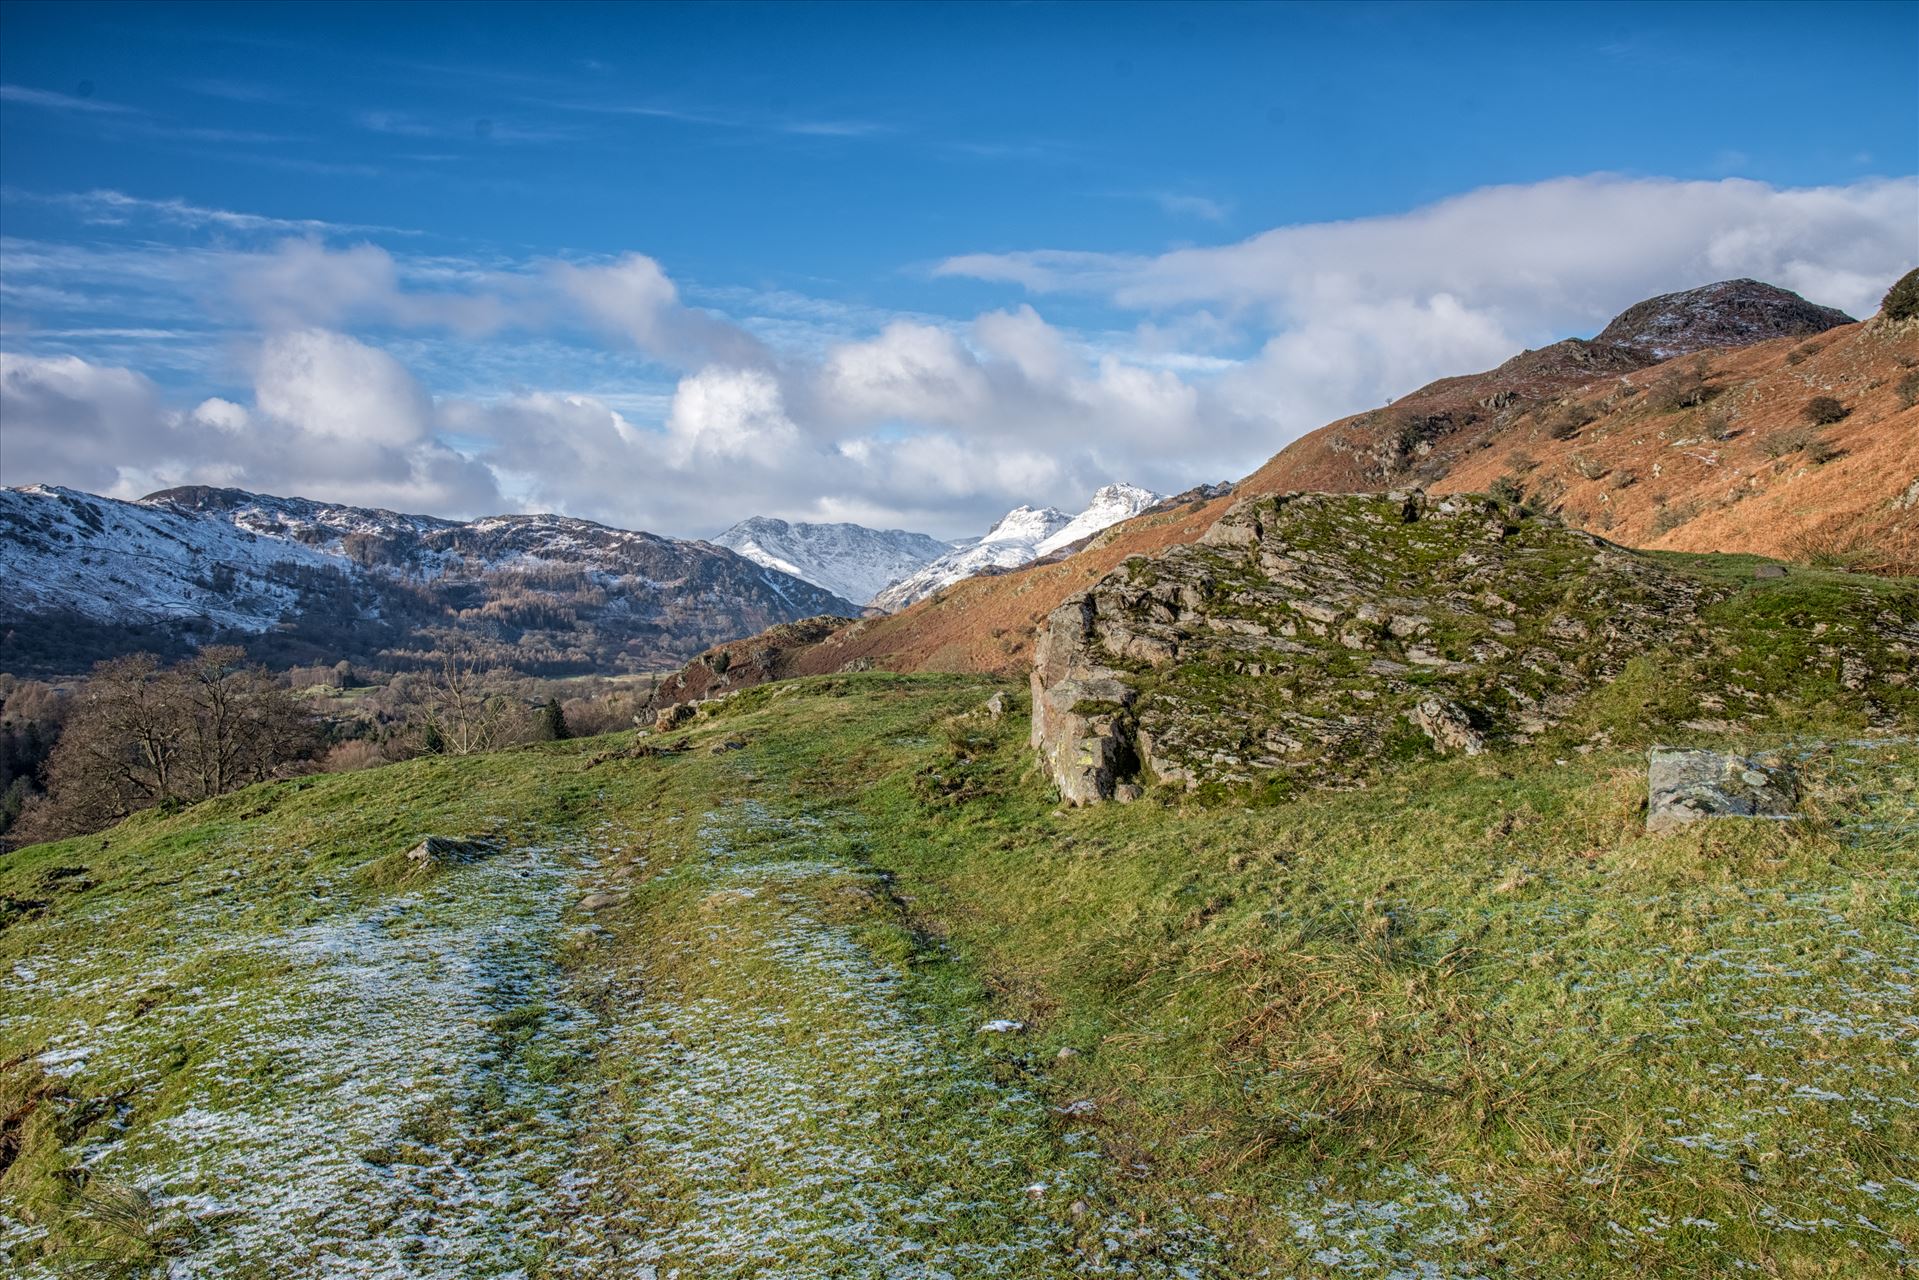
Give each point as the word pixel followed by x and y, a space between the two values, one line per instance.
pixel 451 850
pixel 1688 786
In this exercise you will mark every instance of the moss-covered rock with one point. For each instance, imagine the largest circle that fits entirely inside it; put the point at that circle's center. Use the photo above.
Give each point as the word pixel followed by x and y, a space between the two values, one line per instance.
pixel 1309 638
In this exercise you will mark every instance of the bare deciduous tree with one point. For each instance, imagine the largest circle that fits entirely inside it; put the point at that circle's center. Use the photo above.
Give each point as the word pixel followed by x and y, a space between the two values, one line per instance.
pixel 463 712
pixel 139 736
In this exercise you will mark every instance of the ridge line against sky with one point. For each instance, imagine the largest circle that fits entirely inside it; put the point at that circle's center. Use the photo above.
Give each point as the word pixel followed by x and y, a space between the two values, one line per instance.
pixel 832 290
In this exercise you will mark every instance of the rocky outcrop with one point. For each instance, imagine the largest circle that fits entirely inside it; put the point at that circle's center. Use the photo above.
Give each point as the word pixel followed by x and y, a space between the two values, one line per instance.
pixel 1080 709
pixel 1310 640
pixel 1683 787
pixel 1731 313
pixel 1449 728
pixel 1307 637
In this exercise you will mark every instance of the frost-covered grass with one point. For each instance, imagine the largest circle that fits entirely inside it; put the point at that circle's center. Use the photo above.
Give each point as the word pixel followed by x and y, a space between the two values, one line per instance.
pixel 674 1028
pixel 790 1098
pixel 1468 1022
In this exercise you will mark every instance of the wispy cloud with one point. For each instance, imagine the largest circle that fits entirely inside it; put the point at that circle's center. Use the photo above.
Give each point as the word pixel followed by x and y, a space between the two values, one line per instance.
pixel 400 124
pixel 236 90
pixel 396 123
pixel 52 101
pixel 797 126
pixel 118 208
pixel 1191 206
pixel 120 118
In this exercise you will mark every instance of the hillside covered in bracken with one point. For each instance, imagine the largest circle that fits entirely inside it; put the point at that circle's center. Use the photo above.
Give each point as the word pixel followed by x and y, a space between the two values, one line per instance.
pixel 1684 425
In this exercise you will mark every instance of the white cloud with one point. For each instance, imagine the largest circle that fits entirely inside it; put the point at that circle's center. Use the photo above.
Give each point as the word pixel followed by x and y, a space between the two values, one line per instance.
pixel 913 372
pixel 305 282
pixel 71 422
pixel 633 297
pixel 331 418
pixel 729 414
pixel 328 385
pixel 1570 250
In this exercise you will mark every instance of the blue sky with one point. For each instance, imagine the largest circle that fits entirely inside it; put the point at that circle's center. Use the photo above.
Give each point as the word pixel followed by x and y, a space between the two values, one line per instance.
pixel 669 266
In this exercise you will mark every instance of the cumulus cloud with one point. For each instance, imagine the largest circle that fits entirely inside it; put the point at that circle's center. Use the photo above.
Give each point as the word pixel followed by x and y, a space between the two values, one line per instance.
pixel 730 414
pixel 913 372
pixel 331 418
pixel 1358 311
pixel 1218 357
pixel 634 298
pixel 329 386
pixel 73 422
pixel 306 282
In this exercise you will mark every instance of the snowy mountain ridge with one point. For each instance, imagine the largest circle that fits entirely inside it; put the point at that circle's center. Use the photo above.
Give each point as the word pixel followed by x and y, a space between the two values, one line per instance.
pixel 850 560
pixel 88 576
pixel 1022 535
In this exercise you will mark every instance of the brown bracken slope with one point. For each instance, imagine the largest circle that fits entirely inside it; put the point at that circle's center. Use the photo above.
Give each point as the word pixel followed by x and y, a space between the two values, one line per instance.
pixel 1747 469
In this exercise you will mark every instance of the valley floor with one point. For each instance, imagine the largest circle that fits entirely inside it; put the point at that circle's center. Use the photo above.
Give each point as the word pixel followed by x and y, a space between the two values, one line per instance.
pixel 723 1013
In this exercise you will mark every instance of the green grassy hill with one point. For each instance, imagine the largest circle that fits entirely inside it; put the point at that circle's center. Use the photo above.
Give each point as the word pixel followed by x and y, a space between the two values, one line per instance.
pixel 717 1012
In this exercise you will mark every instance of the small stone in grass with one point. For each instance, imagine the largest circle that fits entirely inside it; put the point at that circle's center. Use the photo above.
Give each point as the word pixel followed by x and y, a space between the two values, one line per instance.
pixel 1000 1026
pixel 599 901
pixel 451 850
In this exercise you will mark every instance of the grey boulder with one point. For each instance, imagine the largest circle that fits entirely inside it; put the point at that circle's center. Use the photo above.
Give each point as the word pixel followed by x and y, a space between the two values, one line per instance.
pixel 1684 787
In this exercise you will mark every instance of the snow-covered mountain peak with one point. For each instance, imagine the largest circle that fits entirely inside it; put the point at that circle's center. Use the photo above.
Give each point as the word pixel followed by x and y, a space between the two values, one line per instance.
pixel 1027 524
pixel 1111 504
pixel 1022 535
pixel 850 560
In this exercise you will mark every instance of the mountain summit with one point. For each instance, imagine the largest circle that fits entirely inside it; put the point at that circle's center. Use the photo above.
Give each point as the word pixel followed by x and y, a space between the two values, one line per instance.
pixel 1022 535
pixel 1731 313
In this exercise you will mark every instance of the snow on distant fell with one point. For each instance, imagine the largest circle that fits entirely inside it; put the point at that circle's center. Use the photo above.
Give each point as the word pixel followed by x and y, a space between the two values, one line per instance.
pixel 63 551
pixel 1112 504
pixel 850 560
pixel 1022 536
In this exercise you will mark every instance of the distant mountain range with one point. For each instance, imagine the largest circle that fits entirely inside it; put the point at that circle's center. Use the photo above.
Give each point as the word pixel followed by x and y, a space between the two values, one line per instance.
pixel 850 560
pixel 889 569
pixel 298 581
pixel 87 577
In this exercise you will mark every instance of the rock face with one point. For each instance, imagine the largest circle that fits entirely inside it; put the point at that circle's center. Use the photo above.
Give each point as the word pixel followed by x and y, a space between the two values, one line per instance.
pixel 1308 637
pixel 1684 787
